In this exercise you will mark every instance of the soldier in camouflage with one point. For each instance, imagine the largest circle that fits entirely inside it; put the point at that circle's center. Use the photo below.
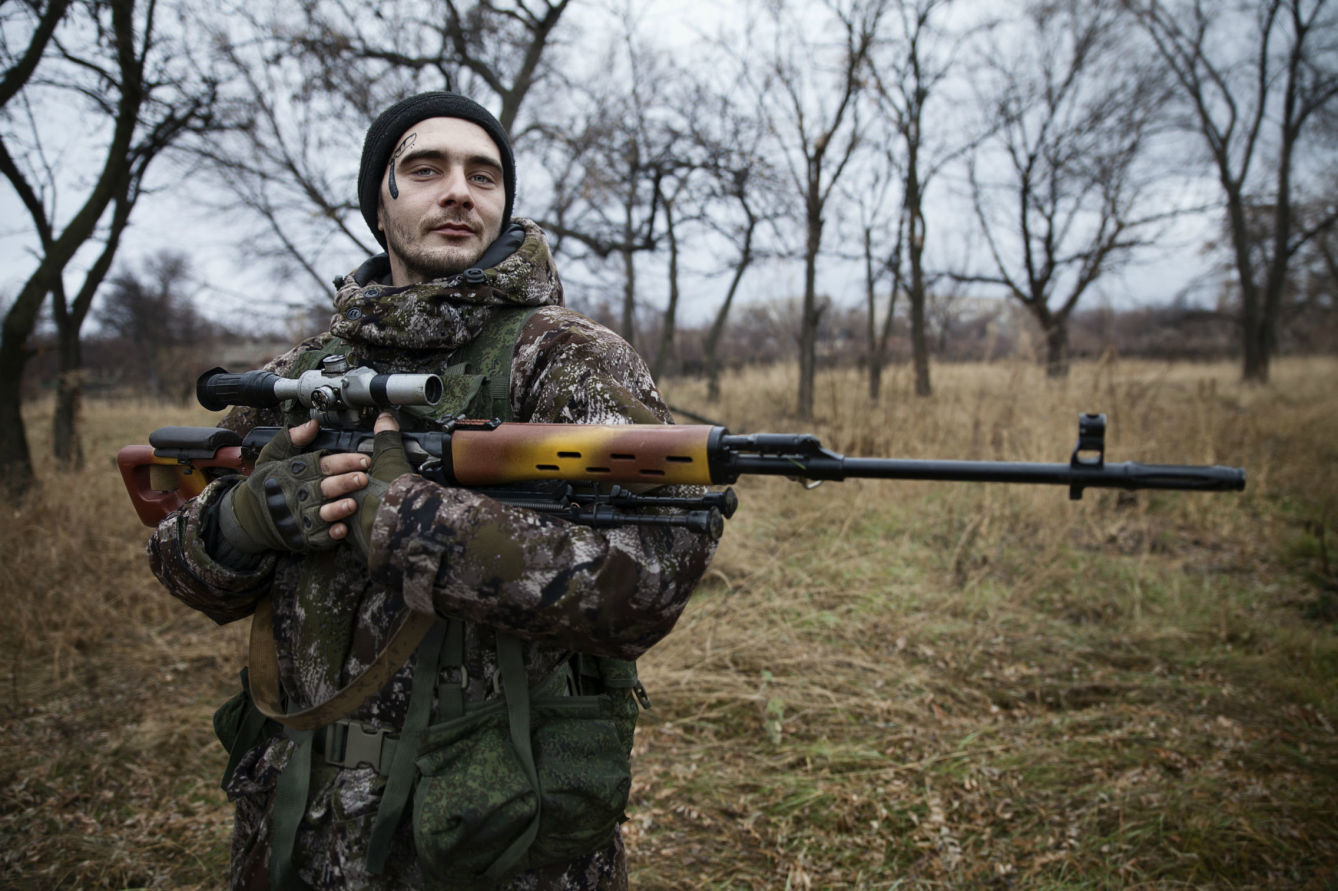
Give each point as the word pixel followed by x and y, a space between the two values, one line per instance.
pixel 437 186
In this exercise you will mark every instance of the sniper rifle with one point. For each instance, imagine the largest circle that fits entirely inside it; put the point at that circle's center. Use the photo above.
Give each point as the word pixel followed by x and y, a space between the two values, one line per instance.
pixel 598 475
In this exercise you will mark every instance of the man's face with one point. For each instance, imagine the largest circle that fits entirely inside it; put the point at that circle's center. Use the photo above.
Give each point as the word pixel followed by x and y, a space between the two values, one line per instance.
pixel 442 198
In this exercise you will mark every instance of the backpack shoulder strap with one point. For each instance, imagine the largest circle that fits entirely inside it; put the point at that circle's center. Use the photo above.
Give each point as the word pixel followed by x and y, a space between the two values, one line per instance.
pixel 264 671
pixel 490 356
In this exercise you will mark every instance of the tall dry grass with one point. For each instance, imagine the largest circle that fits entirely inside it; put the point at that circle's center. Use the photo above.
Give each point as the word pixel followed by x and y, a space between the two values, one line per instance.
pixel 967 686
pixel 73 561
pixel 878 685
pixel 108 764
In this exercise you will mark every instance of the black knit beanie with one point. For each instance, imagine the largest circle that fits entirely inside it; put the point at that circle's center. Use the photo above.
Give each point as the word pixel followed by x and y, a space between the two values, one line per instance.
pixel 390 126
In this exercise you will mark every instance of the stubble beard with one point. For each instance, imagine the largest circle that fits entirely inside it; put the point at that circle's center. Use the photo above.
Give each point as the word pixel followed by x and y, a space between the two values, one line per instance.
pixel 425 263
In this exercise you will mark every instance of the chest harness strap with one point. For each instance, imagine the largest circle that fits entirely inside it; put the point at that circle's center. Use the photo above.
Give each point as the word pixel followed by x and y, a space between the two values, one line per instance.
pixel 437 643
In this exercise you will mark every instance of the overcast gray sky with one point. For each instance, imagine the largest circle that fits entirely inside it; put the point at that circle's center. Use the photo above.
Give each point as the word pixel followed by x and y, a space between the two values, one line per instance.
pixel 233 291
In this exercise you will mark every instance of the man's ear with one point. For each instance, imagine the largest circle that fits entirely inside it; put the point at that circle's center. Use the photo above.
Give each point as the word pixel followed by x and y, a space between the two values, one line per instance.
pixel 380 215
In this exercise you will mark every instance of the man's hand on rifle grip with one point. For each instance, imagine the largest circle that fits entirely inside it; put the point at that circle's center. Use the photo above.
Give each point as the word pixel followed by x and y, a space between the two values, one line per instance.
pixel 293 500
pixel 344 475
pixel 388 464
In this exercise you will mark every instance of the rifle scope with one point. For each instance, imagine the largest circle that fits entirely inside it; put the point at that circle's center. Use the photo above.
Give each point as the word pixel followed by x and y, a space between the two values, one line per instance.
pixel 333 386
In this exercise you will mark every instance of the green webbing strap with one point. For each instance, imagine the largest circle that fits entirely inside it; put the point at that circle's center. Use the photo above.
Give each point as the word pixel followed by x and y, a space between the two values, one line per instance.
pixel 400 782
pixel 499 392
pixel 490 354
pixel 251 732
pixel 516 688
pixel 263 664
pixel 451 698
pixel 290 804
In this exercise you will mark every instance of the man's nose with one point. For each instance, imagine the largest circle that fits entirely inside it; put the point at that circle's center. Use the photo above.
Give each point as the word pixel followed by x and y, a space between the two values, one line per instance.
pixel 455 189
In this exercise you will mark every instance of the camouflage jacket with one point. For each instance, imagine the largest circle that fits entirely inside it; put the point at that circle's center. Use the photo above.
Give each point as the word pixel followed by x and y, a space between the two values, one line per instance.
pixel 559 587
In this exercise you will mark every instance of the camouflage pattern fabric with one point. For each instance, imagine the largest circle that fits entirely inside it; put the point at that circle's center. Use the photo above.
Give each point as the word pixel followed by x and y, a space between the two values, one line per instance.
pixel 560 588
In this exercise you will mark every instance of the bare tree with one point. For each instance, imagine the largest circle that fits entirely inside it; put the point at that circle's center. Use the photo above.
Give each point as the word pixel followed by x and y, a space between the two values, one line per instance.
pixel 130 81
pixel 1251 102
pixel 313 86
pixel 742 198
pixel 1310 306
pixel 672 197
pixel 150 312
pixel 909 76
pixel 37 22
pixel 613 162
pixel 21 60
pixel 480 47
pixel 1307 311
pixel 1064 194
pixel 871 192
pixel 815 121
pixel 608 204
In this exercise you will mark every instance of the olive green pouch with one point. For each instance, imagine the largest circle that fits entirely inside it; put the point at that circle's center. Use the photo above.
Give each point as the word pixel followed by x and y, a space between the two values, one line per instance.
pixel 239 726
pixel 478 817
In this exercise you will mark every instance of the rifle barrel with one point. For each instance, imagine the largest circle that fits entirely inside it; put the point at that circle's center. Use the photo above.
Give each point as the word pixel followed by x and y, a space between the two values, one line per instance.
pixel 1122 475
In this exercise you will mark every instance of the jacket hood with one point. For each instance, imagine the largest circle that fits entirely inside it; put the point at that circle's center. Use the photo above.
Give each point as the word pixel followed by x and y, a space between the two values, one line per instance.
pixel 447 312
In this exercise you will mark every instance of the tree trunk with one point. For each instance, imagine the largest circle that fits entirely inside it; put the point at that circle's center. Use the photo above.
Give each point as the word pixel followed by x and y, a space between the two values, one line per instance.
pixel 65 444
pixel 920 346
pixel 1056 348
pixel 808 341
pixel 712 378
pixel 1254 339
pixel 664 356
pixel 629 297
pixel 808 327
pixel 919 339
pixel 712 348
pixel 875 379
pixel 884 337
pixel 16 466
pixel 1254 348
pixel 718 326
pixel 629 274
pixel 873 349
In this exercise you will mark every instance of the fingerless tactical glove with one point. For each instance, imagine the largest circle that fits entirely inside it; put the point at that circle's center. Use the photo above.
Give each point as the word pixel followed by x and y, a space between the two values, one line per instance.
pixel 278 506
pixel 388 464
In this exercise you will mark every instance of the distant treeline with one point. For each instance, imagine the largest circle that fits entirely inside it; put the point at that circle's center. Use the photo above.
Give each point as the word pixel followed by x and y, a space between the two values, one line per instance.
pixel 166 366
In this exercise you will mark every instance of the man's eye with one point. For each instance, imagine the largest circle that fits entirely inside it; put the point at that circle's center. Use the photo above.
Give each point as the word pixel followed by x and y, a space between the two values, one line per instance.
pixel 484 179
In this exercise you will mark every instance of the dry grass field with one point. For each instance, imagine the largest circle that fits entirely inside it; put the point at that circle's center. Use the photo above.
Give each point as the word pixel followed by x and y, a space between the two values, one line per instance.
pixel 880 685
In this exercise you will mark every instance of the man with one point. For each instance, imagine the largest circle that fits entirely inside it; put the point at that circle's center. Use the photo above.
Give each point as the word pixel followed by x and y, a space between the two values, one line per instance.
pixel 340 547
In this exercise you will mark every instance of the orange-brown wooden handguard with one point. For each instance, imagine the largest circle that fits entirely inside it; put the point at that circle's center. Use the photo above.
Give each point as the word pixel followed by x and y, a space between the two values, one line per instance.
pixel 638 453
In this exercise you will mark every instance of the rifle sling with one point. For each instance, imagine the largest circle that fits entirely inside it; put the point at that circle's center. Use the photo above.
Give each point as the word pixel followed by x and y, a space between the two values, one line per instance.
pixel 264 670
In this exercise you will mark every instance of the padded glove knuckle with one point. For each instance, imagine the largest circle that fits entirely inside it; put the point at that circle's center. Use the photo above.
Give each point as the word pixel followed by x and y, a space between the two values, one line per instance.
pixel 278 507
